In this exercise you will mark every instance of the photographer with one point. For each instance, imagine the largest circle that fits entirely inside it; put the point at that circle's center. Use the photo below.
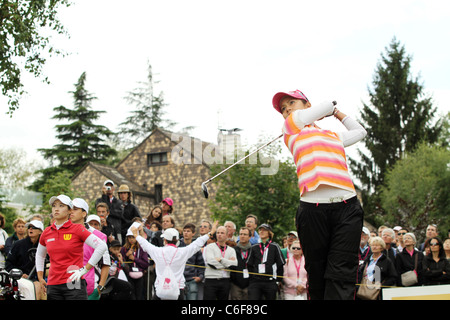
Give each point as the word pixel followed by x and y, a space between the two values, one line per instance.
pixel 115 207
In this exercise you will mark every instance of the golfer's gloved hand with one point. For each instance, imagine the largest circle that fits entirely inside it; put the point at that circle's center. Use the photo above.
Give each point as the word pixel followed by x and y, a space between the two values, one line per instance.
pixel 77 274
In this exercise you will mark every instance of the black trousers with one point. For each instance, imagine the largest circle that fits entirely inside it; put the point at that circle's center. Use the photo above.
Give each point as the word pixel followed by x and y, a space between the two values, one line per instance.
pixel 262 290
pixel 68 291
pixel 216 289
pixel 330 235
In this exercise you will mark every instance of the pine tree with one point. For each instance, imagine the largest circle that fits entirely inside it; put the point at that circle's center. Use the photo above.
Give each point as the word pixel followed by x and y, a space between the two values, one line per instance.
pixel 148 115
pixel 400 115
pixel 81 139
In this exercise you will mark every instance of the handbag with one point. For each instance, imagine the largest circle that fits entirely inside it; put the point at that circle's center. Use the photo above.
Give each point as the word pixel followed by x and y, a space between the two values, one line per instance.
pixel 368 290
pixel 409 278
pixel 135 273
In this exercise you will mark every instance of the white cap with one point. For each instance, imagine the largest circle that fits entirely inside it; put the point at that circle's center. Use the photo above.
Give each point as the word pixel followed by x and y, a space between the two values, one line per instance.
pixel 365 230
pixel 170 233
pixel 397 228
pixel 37 224
pixel 63 198
pixel 80 203
pixel 108 181
pixel 294 233
pixel 93 217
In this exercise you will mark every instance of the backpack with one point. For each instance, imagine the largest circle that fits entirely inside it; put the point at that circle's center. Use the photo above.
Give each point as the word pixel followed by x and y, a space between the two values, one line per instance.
pixel 167 288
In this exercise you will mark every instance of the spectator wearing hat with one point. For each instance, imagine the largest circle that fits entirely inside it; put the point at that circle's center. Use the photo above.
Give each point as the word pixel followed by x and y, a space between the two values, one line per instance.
pixel 129 210
pixel 291 237
pixel 64 280
pixel 115 207
pixel 94 221
pixel 136 262
pixel 170 255
pixel 265 266
pixel 79 216
pixel 167 206
pixel 117 281
pixel 19 257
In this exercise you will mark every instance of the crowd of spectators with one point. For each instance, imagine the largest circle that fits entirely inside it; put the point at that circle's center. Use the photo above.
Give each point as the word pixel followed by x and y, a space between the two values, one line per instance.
pixel 233 262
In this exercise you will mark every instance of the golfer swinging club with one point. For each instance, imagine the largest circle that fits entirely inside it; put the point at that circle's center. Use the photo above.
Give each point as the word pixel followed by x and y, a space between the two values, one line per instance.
pixel 329 219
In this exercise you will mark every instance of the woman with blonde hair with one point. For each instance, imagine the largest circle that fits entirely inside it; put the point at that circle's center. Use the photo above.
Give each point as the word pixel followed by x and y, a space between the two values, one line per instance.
pixel 378 267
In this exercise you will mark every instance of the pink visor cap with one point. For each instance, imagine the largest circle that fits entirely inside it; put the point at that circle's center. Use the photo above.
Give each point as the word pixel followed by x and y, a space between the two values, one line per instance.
pixel 297 94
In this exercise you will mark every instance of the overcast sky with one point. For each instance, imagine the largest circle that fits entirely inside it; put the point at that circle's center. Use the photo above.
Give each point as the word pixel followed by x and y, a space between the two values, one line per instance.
pixel 219 63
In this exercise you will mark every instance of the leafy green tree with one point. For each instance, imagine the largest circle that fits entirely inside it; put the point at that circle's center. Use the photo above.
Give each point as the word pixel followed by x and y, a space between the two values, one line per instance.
pixel 81 139
pixel 244 190
pixel 398 117
pixel 24 43
pixel 416 189
pixel 56 184
pixel 16 172
pixel 148 115
pixel 10 214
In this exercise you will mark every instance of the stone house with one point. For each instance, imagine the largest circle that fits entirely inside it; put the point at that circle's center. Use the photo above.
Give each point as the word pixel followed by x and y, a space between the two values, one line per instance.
pixel 164 165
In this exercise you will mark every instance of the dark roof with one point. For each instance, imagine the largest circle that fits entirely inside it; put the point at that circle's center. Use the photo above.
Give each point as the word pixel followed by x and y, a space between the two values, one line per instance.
pixel 118 178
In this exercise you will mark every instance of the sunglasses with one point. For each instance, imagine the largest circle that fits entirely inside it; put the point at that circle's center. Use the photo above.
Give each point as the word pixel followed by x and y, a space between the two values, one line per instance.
pixel 434 244
pixel 401 233
pixel 296 248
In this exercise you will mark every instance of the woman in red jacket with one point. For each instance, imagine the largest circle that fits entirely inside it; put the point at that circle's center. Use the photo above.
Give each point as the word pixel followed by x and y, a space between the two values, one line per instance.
pixel 63 241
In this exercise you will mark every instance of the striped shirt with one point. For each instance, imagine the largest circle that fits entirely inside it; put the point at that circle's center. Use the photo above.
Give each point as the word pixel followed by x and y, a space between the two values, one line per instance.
pixel 318 155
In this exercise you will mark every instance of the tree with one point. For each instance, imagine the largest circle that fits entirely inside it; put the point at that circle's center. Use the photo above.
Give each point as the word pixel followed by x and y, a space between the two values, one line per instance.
pixel 398 117
pixel 22 25
pixel 15 171
pixel 416 189
pixel 81 140
pixel 9 213
pixel 59 183
pixel 149 113
pixel 242 190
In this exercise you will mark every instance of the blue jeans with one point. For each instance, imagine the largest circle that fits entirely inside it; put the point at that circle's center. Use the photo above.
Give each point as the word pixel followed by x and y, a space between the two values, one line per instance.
pixel 191 290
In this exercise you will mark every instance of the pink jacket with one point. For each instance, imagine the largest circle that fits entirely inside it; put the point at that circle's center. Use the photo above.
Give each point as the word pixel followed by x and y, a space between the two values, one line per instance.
pixel 90 276
pixel 290 274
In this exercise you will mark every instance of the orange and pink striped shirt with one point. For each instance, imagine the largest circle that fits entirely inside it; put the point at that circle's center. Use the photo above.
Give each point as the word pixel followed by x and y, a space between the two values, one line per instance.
pixel 319 156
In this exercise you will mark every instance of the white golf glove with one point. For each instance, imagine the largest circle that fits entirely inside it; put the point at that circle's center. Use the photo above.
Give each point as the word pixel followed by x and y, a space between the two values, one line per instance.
pixel 77 274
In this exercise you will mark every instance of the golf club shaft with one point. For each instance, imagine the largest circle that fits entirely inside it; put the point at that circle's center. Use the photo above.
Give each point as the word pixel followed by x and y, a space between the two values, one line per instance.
pixel 210 179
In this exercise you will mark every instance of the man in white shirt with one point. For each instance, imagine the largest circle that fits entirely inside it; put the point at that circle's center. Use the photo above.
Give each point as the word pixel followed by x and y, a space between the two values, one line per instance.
pixel 170 255
pixel 218 258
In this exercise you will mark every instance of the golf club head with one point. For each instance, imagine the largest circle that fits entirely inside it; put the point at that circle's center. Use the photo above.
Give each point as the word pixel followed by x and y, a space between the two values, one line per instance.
pixel 205 190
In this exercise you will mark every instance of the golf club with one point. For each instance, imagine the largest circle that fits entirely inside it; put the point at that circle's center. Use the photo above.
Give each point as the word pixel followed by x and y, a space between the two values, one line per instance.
pixel 204 184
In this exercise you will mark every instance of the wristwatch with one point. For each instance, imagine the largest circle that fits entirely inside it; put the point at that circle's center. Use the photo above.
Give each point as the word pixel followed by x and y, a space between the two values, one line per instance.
pixel 100 288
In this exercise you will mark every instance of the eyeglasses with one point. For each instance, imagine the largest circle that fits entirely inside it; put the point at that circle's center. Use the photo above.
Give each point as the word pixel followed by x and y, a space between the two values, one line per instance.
pixel 296 248
pixel 401 233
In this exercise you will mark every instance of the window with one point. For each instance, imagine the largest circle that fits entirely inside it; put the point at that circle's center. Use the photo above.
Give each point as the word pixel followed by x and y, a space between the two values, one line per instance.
pixel 159 158
pixel 158 193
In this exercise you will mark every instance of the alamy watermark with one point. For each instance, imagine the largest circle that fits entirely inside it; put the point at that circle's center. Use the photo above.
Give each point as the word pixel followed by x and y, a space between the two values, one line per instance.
pixel 192 151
